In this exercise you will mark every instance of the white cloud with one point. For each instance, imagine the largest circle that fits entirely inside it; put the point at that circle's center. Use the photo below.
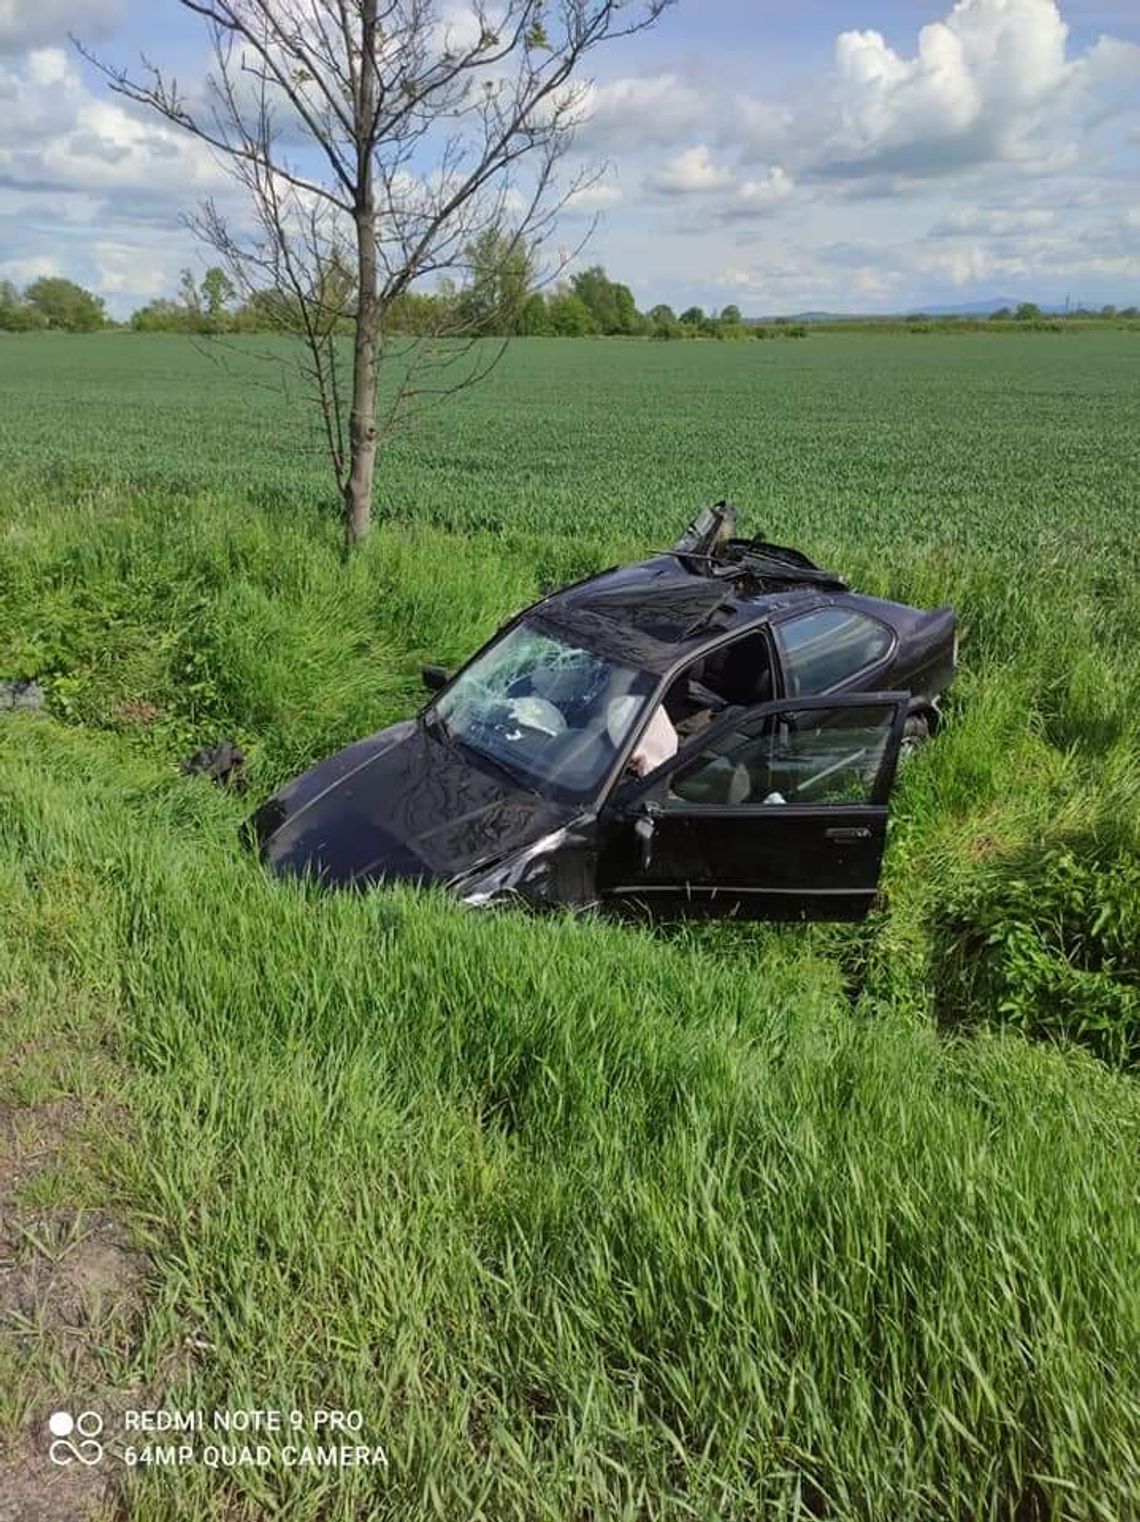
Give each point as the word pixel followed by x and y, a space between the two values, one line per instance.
pixel 758 197
pixel 985 154
pixel 120 271
pixel 458 29
pixel 691 172
pixel 898 271
pixel 762 126
pixel 24 271
pixel 28 23
pixel 990 84
pixel 627 113
pixel 54 134
pixel 734 278
pixel 90 189
pixel 972 265
pixel 973 221
pixel 599 196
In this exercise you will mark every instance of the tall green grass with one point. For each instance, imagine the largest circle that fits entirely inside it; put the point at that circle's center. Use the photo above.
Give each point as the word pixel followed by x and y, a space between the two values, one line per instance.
pixel 1011 876
pixel 999 442
pixel 584 1222
pixel 591 1221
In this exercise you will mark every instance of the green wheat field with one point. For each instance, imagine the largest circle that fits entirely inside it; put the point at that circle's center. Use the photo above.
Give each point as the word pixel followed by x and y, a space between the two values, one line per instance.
pixel 588 1221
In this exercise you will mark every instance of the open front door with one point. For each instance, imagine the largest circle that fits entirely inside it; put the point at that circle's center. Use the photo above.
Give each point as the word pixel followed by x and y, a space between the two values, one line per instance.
pixel 777 812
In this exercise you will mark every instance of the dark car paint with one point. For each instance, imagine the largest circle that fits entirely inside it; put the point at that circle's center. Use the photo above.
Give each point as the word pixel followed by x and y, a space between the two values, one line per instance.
pixel 785 861
pixel 807 873
pixel 402 803
pixel 919 661
pixel 408 803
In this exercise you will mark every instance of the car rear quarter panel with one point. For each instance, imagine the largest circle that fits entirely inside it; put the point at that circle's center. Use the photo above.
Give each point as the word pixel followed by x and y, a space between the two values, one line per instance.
pixel 924 661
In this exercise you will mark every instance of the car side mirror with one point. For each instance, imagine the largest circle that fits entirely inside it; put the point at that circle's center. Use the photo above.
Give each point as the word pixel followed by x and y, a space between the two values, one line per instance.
pixel 435 677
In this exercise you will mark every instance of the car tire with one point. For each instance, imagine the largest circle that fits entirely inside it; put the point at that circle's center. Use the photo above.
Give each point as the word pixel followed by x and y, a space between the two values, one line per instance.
pixel 915 734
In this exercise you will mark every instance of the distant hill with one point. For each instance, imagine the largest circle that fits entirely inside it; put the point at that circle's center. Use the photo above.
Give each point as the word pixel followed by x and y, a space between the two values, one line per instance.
pixel 976 308
pixel 962 309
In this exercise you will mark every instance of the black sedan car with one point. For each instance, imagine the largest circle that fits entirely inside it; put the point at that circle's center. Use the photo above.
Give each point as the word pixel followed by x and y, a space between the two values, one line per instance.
pixel 714 730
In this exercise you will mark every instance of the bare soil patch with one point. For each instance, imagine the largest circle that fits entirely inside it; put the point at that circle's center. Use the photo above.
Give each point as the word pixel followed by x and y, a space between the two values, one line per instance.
pixel 70 1291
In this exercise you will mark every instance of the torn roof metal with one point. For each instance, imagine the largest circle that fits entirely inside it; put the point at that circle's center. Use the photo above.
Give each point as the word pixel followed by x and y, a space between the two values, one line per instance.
pixel 653 613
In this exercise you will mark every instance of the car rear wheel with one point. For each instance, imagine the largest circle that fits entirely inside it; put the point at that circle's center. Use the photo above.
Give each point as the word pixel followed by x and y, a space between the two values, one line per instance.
pixel 915 734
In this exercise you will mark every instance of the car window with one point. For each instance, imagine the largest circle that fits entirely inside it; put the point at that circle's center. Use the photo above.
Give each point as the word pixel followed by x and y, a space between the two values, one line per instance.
pixel 804 758
pixel 551 712
pixel 823 648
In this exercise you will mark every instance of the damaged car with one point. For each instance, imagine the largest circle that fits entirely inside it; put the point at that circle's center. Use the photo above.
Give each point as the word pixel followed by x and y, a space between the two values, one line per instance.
pixel 714 730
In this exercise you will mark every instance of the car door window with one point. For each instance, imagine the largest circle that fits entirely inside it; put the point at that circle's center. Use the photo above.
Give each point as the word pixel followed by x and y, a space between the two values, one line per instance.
pixel 821 649
pixel 790 756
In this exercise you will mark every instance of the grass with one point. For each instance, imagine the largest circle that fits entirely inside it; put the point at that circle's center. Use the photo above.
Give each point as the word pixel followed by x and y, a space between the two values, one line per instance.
pixel 583 1223
pixel 588 1221
pixel 838 440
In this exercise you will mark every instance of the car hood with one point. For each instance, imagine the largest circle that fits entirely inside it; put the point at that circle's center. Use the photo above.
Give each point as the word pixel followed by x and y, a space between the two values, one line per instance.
pixel 401 803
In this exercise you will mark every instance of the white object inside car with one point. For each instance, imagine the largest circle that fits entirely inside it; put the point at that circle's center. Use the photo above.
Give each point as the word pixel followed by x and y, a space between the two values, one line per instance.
pixel 538 713
pixel 658 740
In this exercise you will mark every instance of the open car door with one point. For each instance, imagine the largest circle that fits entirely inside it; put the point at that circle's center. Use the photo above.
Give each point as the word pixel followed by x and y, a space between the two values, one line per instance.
pixel 775 812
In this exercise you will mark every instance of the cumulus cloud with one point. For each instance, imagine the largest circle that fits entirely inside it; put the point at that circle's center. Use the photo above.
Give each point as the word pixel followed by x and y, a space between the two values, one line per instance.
pixel 691 172
pixel 992 83
pixel 758 197
pixel 120 272
pixel 763 127
pixel 655 109
pixel 987 150
pixel 599 196
pixel 897 272
pixel 459 28
pixel 90 189
pixel 973 221
pixel 29 23
pixel 786 280
pixel 54 134
pixel 24 271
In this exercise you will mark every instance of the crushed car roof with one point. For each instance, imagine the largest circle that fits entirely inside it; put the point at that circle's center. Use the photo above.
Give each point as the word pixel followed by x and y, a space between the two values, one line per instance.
pixel 655 612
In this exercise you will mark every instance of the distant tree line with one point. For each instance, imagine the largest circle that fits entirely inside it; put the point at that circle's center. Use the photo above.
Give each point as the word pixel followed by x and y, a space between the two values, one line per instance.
pixel 50 302
pixel 1031 314
pixel 500 296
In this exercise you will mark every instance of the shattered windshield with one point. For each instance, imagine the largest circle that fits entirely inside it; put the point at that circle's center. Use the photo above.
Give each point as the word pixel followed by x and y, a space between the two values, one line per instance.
pixel 551 713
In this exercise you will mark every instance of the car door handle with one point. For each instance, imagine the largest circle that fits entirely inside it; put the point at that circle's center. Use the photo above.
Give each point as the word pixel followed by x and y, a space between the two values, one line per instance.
pixel 848 832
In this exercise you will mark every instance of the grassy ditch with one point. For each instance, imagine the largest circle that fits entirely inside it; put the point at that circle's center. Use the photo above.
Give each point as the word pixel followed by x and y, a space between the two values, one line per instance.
pixel 587 1221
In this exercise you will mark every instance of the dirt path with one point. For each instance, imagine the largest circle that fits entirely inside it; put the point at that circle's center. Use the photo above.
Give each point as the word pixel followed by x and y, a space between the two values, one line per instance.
pixel 70 1292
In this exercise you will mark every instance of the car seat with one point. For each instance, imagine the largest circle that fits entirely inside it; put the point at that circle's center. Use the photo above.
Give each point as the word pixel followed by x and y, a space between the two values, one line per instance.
pixel 740 674
pixel 720 782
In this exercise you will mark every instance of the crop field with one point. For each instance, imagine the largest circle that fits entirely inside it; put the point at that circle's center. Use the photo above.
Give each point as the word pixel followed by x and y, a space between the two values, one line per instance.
pixel 862 441
pixel 587 1221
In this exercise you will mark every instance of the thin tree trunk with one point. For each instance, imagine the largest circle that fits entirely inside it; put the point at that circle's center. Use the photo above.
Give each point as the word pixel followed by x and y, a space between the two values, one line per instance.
pixel 362 420
pixel 375 104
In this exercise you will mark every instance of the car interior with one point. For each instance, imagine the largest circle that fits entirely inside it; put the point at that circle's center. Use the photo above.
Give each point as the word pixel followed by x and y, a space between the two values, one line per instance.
pixel 822 763
pixel 738 675
pixel 815 764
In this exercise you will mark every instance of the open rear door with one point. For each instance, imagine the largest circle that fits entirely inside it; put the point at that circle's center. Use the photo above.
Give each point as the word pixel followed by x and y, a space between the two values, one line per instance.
pixel 777 812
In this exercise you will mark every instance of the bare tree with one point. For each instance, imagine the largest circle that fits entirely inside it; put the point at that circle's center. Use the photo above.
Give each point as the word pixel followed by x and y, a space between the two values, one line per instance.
pixel 378 141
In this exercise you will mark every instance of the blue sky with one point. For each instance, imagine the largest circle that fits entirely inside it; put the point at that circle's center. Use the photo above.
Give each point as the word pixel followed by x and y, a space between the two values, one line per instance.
pixel 869 155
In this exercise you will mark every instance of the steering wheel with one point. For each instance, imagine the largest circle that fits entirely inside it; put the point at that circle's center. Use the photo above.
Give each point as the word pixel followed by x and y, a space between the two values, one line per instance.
pixel 535 715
